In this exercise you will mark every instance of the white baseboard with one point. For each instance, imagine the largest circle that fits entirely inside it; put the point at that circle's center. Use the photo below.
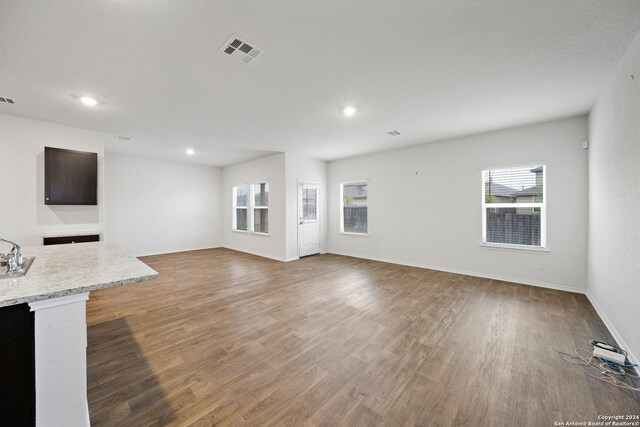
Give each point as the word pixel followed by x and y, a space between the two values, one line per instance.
pixel 612 329
pixel 476 274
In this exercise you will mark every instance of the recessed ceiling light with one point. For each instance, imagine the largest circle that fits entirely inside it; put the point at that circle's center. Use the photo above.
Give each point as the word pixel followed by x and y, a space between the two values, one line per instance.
pixel 349 111
pixel 88 101
pixel 190 151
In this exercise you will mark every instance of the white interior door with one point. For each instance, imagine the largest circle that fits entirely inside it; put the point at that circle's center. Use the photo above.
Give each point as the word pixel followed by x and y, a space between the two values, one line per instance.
pixel 308 218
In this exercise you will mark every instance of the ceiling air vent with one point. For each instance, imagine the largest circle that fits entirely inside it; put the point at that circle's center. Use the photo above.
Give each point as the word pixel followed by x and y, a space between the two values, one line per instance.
pixel 123 138
pixel 7 100
pixel 394 133
pixel 241 50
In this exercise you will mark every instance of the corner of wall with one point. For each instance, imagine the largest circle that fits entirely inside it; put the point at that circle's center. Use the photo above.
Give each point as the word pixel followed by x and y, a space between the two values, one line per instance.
pixel 614 202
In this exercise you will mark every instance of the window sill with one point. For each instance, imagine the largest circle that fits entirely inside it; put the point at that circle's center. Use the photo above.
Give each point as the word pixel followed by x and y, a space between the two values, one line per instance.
pixel 516 248
pixel 354 234
pixel 240 231
pixel 257 233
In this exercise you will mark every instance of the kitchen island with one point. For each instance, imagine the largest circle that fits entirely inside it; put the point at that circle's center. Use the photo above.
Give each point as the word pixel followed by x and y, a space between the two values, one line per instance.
pixel 55 290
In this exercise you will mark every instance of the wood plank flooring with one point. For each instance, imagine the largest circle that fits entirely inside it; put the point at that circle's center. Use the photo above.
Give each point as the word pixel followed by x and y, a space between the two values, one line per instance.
pixel 228 339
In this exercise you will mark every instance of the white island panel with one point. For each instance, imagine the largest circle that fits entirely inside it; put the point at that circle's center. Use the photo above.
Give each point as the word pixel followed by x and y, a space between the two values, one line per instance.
pixel 61 361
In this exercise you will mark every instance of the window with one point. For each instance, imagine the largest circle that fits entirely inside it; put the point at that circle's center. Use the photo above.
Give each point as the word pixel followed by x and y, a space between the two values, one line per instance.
pixel 353 203
pixel 514 206
pixel 309 203
pixel 261 208
pixel 240 211
pixel 251 208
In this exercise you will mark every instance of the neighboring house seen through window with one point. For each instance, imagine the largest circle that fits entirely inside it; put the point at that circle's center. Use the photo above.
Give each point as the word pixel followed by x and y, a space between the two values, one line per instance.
pixel 514 206
pixel 353 207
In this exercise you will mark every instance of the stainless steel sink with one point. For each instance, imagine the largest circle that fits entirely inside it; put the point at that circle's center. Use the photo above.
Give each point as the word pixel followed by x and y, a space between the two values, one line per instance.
pixel 4 274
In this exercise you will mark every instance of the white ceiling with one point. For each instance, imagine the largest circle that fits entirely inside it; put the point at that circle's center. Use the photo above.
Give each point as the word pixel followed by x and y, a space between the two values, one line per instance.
pixel 431 69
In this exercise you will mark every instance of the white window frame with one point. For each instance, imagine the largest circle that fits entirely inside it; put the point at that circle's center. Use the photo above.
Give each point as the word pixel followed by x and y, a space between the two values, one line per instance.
pixel 253 206
pixel 234 217
pixel 342 184
pixel 249 208
pixel 542 205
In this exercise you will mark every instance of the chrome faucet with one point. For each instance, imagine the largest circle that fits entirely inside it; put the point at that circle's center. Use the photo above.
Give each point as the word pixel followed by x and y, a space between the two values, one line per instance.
pixel 13 259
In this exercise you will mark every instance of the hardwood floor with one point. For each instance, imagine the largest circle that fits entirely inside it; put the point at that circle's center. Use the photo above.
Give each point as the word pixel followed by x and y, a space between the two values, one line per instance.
pixel 226 338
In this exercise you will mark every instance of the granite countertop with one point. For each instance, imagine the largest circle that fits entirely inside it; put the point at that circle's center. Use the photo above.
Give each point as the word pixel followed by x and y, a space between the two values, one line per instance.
pixel 61 270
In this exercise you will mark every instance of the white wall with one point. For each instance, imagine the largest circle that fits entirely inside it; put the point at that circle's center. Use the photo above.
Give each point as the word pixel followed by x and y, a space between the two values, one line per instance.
pixel 24 217
pixel 266 169
pixel 614 202
pixel 303 168
pixel 158 206
pixel 425 204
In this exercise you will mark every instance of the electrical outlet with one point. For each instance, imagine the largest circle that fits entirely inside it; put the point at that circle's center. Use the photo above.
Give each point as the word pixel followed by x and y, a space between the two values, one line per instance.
pixel 542 265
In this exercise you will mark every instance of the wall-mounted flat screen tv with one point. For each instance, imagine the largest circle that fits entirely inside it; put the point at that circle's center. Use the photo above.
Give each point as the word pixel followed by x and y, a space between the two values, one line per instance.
pixel 70 177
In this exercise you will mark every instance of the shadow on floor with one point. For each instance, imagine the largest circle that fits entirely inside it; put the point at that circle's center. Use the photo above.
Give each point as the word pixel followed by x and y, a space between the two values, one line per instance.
pixel 121 383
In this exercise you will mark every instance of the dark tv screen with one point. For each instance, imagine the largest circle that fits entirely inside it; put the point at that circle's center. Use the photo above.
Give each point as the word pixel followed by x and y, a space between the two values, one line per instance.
pixel 70 177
